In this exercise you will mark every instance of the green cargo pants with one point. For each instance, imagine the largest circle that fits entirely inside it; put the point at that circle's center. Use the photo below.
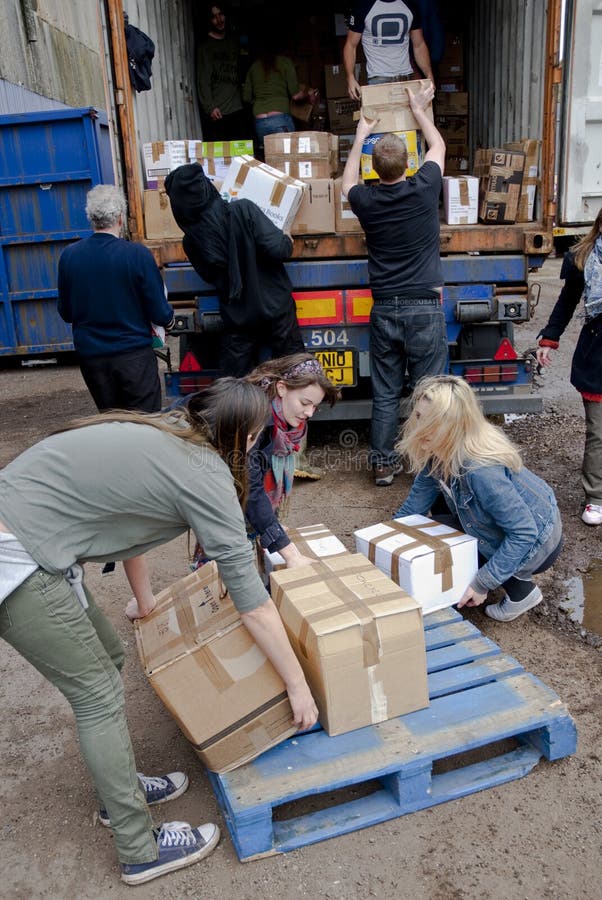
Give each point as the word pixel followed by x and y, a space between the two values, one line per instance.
pixel 80 653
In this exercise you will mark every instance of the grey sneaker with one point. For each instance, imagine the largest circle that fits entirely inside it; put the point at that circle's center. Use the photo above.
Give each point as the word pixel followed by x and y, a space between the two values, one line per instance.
pixel 384 475
pixel 507 610
pixel 178 845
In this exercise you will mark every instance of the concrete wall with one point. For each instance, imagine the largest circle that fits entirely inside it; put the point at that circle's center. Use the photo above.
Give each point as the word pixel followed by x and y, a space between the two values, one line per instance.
pixel 52 48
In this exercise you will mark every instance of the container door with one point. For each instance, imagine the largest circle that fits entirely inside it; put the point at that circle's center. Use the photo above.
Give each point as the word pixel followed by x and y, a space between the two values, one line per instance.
pixel 580 186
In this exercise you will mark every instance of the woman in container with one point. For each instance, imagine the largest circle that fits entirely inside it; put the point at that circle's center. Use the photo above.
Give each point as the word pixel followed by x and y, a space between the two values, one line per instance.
pixel 582 274
pixel 110 488
pixel 513 513
pixel 295 386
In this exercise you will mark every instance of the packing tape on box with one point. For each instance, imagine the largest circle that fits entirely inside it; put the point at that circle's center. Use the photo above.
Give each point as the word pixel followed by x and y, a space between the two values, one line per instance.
pixel 243 721
pixel 351 603
pixel 442 554
pixel 464 195
pixel 211 666
pixel 157 149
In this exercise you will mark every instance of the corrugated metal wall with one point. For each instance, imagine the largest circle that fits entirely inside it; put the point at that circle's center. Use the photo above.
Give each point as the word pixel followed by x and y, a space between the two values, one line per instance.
pixel 17 99
pixel 506 57
pixel 170 109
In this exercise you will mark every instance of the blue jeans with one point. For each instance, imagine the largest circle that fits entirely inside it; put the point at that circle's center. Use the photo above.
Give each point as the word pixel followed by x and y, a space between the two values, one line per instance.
pixel 404 334
pixel 273 125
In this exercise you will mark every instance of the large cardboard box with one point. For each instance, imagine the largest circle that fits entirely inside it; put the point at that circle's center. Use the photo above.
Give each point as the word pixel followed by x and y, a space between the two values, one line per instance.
pixel 161 158
pixel 336 80
pixel 303 154
pixel 345 220
pixel 390 105
pixel 314 541
pixel 454 131
pixel 415 146
pixel 215 681
pixel 500 174
pixel 451 103
pixel 359 639
pixel 526 201
pixel 452 63
pixel 275 193
pixel 216 156
pixel 434 563
pixel 461 199
pixel 341 113
pixel 345 145
pixel 159 222
pixel 316 213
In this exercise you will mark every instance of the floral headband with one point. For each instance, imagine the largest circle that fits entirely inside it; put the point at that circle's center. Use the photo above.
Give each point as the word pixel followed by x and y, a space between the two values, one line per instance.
pixel 307 367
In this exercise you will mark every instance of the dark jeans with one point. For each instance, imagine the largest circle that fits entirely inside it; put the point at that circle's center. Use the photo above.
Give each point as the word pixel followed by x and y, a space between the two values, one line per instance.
pixel 280 124
pixel 124 380
pixel 404 334
pixel 240 351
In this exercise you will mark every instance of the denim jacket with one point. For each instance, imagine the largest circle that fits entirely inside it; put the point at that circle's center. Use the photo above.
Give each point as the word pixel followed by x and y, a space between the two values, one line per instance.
pixel 511 514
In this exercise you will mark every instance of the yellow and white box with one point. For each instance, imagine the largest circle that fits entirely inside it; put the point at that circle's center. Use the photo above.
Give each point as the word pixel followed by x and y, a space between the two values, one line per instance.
pixel 461 199
pixel 432 562
pixel 412 140
pixel 274 192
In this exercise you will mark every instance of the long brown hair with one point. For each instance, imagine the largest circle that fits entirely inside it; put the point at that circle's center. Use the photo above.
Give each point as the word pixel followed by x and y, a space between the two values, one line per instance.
pixel 298 370
pixel 222 416
pixel 584 247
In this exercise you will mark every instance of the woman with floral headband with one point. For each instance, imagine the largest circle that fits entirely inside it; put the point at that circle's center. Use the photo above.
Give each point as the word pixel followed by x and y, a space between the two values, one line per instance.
pixel 295 385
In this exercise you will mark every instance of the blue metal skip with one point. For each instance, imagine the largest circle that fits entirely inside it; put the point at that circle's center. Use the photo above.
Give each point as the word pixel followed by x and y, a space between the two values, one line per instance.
pixel 48 162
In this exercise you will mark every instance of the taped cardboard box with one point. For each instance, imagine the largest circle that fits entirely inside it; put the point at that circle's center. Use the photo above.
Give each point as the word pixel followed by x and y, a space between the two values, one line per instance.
pixel 316 213
pixel 526 201
pixel 303 154
pixel 159 222
pixel 500 174
pixel 345 220
pixel 336 79
pixel 434 563
pixel 415 147
pixel 275 193
pixel 314 541
pixel 359 639
pixel 226 697
pixel 461 199
pixel 161 158
pixel 390 105
pixel 216 156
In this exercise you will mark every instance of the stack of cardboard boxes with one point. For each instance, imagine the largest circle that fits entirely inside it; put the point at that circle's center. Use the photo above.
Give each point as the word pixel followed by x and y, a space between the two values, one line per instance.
pixel 451 106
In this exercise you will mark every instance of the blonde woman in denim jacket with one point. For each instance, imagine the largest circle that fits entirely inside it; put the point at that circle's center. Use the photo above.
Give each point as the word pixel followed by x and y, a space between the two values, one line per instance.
pixel 513 513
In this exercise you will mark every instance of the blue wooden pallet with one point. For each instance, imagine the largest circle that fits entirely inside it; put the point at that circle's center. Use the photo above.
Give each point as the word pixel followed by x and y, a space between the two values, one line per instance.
pixel 479 696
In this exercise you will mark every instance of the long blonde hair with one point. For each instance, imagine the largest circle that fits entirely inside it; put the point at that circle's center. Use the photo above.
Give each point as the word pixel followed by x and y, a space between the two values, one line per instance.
pixel 447 431
pixel 584 247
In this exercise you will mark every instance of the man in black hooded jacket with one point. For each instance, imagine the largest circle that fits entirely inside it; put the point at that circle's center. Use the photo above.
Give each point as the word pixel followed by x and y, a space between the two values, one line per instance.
pixel 238 249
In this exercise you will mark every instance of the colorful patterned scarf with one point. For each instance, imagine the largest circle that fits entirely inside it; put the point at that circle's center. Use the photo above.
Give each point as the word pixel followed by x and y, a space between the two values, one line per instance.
pixel 278 480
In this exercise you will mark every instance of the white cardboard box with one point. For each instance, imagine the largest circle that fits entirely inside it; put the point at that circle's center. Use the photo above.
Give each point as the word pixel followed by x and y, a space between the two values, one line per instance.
pixel 430 561
pixel 275 193
pixel 315 541
pixel 161 158
pixel 461 199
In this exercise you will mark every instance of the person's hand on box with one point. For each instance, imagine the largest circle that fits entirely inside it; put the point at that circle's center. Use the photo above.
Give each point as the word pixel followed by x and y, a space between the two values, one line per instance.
pixel 305 711
pixel 133 611
pixel 420 99
pixel 353 89
pixel 470 597
pixel 366 126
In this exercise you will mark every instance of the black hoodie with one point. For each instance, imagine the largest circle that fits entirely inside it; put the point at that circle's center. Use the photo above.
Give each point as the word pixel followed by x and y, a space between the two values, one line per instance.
pixel 233 246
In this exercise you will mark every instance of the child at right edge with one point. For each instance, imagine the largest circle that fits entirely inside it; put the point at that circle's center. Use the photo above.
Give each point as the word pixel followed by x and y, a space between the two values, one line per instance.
pixel 512 512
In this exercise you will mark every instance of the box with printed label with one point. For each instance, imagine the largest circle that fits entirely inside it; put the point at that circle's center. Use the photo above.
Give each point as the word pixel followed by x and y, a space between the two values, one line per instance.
pixel 359 639
pixel 226 697
pixel 526 201
pixel 434 563
pixel 316 213
pixel 345 220
pixel 341 113
pixel 500 174
pixel 461 199
pixel 275 193
pixel 414 144
pixel 303 154
pixel 159 222
pixel 390 105
pixel 161 158
pixel 314 541
pixel 216 156
pixel 336 79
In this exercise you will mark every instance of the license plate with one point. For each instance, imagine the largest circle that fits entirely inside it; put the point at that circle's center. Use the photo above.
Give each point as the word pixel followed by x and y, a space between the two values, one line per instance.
pixel 339 365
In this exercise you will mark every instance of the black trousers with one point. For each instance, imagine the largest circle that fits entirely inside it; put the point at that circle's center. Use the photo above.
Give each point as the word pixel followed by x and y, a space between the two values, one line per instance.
pixel 240 351
pixel 124 380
